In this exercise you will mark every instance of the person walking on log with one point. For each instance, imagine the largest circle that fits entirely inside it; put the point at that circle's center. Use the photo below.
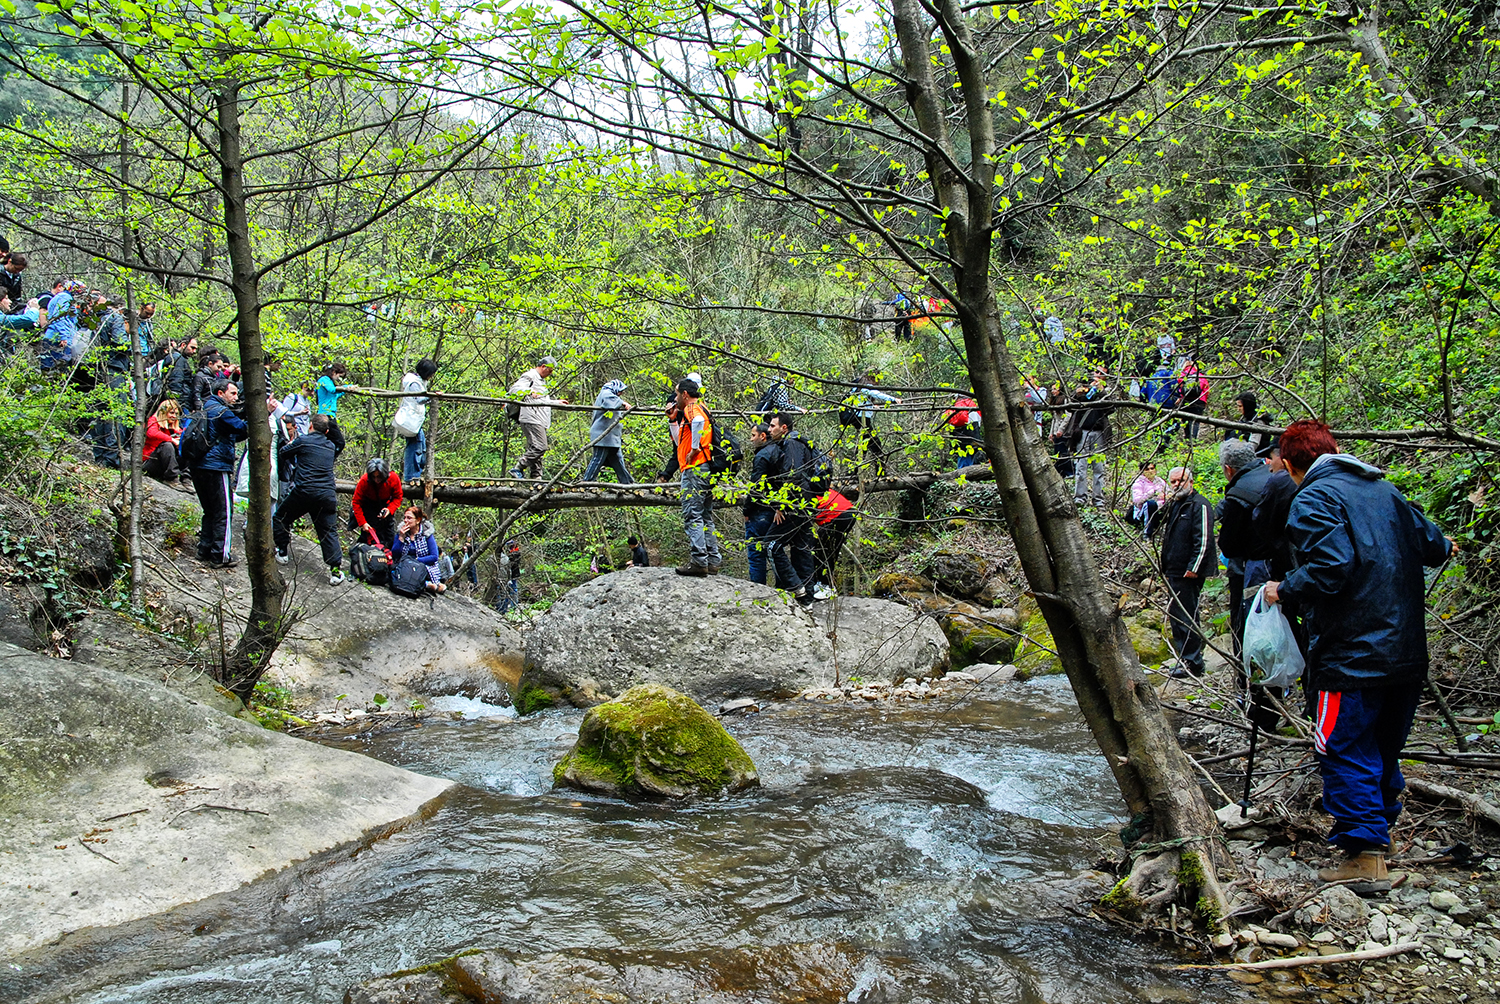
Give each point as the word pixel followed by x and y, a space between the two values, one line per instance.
pixel 607 433
pixel 1360 548
pixel 535 417
pixel 313 493
pixel 695 438
pixel 1188 558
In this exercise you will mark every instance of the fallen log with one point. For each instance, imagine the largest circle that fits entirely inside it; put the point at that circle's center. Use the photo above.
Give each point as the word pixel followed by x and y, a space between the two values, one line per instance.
pixel 1478 806
pixel 1297 961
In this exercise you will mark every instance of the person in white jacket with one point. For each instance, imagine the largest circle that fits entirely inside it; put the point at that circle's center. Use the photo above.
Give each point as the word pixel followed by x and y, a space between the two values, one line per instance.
pixel 411 420
pixel 536 416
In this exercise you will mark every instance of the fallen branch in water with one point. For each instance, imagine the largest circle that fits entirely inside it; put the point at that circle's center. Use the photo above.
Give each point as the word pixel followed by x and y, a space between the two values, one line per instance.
pixel 1297 961
pixel 1472 802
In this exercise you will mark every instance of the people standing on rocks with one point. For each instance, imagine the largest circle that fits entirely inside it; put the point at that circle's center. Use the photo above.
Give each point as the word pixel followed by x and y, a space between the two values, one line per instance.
pixel 377 499
pixel 335 374
pixel 410 421
pixel 639 556
pixel 765 466
pixel 1148 493
pixel 1188 559
pixel 607 433
pixel 535 416
pixel 60 337
pixel 833 521
pixel 1244 550
pixel 159 452
pixel 964 425
pixel 509 587
pixel 297 408
pixel 211 474
pixel 695 439
pixel 415 539
pixel 313 493
pixel 1360 548
pixel 183 360
pixel 791 525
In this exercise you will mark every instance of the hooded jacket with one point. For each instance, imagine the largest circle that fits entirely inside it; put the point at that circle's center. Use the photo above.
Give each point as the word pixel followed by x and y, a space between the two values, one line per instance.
pixel 608 406
pixel 314 455
pixel 1360 547
pixel 1187 543
pixel 225 428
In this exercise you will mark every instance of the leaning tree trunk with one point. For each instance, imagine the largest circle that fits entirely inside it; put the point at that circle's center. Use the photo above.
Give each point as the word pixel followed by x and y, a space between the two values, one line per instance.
pixel 266 624
pixel 1177 856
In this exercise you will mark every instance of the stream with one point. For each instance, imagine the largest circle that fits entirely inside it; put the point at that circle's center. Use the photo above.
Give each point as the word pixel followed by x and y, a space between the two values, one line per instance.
pixel 914 854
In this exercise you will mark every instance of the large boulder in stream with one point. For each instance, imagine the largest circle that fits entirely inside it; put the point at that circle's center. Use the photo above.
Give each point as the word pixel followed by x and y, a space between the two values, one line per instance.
pixel 121 799
pixel 351 639
pixel 654 741
pixel 713 638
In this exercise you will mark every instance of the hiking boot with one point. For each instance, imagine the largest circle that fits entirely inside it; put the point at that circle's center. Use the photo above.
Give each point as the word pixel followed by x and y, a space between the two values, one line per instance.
pixel 223 562
pixel 714 566
pixel 1366 870
pixel 282 557
pixel 1183 672
pixel 804 597
pixel 701 571
pixel 517 473
pixel 335 576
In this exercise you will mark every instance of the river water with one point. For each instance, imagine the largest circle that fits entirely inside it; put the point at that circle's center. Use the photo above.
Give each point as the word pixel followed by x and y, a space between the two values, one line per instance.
pixel 915 854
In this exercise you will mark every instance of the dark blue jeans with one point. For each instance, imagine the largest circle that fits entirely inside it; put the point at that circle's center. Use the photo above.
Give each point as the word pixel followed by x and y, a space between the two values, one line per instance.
pixel 108 434
pixel 791 551
pixel 757 528
pixel 1358 740
pixel 608 456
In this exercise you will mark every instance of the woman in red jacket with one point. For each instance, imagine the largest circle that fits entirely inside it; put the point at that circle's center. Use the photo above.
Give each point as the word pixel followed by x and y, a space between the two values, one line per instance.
pixel 377 496
pixel 159 454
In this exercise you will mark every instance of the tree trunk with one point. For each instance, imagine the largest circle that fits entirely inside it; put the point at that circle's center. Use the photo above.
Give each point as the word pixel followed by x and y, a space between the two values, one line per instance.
pixel 137 370
pixel 1121 707
pixel 267 624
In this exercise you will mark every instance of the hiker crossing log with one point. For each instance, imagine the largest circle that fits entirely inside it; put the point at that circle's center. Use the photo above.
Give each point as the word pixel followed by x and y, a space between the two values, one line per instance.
pixel 497 493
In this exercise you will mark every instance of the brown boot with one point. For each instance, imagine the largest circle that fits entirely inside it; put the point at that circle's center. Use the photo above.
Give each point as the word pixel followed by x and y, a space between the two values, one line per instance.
pixel 1366 870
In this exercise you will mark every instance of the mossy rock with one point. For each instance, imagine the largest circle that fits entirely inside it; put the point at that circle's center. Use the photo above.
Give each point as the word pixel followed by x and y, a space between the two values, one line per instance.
pixel 654 741
pixel 1146 637
pixel 898 584
pixel 1145 630
pixel 974 640
pixel 962 573
pixel 1032 657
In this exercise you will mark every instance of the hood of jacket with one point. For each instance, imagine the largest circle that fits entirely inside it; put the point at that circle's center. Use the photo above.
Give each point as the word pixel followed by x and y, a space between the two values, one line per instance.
pixel 1332 463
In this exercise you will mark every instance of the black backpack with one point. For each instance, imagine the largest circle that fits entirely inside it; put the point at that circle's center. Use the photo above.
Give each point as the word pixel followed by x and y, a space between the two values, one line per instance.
pixel 806 467
pixel 849 417
pixel 724 453
pixel 409 577
pixel 196 441
pixel 368 563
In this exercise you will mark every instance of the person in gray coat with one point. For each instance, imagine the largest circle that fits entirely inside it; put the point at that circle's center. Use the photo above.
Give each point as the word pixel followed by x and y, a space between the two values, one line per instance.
pixel 607 431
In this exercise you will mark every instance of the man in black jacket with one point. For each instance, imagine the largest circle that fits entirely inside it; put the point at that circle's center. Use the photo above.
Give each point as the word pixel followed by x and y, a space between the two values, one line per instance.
pixel 313 493
pixel 180 378
pixel 1188 557
pixel 1246 552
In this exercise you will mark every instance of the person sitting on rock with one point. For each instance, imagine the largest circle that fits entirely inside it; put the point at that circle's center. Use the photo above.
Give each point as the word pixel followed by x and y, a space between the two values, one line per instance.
pixel 159 454
pixel 377 497
pixel 313 493
pixel 639 556
pixel 415 539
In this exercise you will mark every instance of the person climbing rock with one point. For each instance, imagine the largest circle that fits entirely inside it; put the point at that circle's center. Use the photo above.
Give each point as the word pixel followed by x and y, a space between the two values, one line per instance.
pixel 313 493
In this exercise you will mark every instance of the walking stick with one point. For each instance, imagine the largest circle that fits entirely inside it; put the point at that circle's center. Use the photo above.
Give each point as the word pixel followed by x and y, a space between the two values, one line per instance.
pixel 1250 763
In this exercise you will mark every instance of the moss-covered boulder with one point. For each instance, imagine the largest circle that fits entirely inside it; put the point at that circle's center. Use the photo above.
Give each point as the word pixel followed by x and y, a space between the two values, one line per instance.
pixel 899 584
pixel 1149 636
pixel 654 741
pixel 980 635
pixel 962 573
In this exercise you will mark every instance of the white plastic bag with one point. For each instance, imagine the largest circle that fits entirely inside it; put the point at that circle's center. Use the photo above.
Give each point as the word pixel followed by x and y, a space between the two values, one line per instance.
pixel 1272 658
pixel 409 418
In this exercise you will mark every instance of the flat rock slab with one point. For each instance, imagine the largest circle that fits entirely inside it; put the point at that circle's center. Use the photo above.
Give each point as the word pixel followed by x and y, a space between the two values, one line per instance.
pixel 120 799
pixel 715 638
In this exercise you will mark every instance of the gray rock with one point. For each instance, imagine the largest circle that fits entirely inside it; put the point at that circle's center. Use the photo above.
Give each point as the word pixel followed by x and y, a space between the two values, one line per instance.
pixel 417 988
pixel 715 638
pixel 111 640
pixel 1444 900
pixel 1344 907
pixel 90 834
pixel 362 640
pixel 962 573
pixel 1378 927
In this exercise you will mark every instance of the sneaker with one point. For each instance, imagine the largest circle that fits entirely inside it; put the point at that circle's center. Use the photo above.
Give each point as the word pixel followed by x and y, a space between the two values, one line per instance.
pixel 1183 672
pixel 335 576
pixel 1365 873
pixel 822 592
pixel 282 557
pixel 229 562
pixel 701 571
pixel 517 473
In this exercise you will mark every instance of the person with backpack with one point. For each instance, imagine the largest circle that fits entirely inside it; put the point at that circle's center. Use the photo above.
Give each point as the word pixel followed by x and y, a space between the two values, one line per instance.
pixel 211 366
pixel 297 409
pixel 695 442
pixel 377 498
pixel 777 398
pixel 410 421
pixel 607 433
pixel 210 453
pixel 833 521
pixel 1090 436
pixel 803 476
pixel 313 493
pixel 765 467
pixel 535 416
pixel 1192 396
pixel 964 422
pixel 416 542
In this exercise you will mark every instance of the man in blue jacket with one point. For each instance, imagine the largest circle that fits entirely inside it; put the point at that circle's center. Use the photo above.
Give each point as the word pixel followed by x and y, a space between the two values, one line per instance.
pixel 212 478
pixel 1360 547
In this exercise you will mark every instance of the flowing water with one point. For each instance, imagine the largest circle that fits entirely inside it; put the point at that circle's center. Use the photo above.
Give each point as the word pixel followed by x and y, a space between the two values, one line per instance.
pixel 918 854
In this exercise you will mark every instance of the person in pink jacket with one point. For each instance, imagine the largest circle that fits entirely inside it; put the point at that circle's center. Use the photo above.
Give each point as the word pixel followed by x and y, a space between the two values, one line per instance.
pixel 1147 493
